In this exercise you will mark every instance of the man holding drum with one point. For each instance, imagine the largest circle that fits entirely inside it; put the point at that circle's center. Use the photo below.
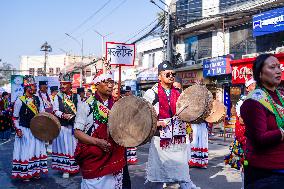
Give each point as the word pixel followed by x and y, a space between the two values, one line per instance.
pixel 168 157
pixel 29 156
pixel 63 147
pixel 101 160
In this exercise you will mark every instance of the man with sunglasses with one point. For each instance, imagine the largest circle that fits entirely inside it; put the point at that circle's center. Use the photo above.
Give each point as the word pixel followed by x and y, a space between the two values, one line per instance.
pixel 168 157
pixel 101 160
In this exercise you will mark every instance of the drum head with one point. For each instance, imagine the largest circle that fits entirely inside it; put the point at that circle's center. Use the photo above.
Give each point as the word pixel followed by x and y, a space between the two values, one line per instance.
pixel 217 113
pixel 196 99
pixel 131 121
pixel 45 126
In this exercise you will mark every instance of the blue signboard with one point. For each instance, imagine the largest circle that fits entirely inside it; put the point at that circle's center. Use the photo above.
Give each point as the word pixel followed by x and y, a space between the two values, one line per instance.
pixel 216 66
pixel 227 100
pixel 268 22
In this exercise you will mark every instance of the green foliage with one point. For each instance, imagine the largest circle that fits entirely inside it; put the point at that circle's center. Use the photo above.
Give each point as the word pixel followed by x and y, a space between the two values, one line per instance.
pixel 6 70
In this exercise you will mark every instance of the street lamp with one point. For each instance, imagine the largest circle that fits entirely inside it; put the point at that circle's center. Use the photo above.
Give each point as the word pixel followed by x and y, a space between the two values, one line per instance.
pixel 46 48
pixel 82 55
pixel 103 40
pixel 78 42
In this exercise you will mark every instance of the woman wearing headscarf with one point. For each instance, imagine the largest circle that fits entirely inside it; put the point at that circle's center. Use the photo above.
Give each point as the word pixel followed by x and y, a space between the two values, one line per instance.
pixel 263 115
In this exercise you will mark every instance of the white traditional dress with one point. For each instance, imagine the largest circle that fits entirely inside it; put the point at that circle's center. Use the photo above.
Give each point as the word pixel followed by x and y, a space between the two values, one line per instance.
pixel 167 164
pixel 29 156
pixel 63 147
pixel 199 146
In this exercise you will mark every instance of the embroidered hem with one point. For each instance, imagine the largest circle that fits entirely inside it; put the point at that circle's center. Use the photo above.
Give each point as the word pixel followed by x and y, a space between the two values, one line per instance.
pixel 29 168
pixel 164 143
pixel 65 163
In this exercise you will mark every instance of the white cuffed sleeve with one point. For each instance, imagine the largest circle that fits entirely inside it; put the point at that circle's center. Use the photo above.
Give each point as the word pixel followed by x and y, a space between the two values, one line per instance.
pixel 82 116
pixel 56 107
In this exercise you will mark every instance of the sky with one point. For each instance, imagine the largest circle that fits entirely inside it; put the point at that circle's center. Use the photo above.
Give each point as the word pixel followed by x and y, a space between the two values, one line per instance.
pixel 27 24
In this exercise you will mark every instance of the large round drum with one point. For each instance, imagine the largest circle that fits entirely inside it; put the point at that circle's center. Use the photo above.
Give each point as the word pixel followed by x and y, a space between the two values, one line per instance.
pixel 45 126
pixel 132 121
pixel 194 104
pixel 217 113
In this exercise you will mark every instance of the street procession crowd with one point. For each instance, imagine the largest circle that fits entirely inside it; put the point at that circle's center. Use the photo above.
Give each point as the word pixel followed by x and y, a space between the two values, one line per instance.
pixel 177 142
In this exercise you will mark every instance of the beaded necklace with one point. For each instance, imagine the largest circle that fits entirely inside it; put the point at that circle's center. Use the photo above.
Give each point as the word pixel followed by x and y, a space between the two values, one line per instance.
pixel 279 116
pixel 97 115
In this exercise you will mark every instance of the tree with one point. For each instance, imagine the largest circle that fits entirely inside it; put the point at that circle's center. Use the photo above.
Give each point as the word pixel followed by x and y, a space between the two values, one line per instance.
pixel 6 70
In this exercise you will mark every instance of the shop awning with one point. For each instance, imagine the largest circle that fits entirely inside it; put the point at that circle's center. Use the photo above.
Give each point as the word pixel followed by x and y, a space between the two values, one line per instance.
pixel 242 68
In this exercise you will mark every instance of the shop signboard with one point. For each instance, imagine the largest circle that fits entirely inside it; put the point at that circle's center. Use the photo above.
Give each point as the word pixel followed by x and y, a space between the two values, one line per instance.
pixel 191 77
pixel 268 22
pixel 216 66
pixel 242 72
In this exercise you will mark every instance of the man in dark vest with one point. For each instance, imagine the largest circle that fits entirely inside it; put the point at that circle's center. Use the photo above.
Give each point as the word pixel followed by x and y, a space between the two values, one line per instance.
pixel 63 147
pixel 29 156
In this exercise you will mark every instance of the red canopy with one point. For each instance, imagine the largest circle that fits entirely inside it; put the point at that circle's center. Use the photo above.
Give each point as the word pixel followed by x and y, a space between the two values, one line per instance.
pixel 242 68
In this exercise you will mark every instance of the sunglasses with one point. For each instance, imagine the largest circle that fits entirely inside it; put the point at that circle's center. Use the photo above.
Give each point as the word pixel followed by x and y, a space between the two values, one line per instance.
pixel 168 75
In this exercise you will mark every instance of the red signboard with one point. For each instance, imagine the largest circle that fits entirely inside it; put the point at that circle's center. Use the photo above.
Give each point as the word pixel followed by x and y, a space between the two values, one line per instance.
pixel 242 69
pixel 76 81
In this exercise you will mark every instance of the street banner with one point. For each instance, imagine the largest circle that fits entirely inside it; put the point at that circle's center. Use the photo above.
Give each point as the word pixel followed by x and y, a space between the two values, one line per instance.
pixel 120 54
pixel 52 81
pixel 17 88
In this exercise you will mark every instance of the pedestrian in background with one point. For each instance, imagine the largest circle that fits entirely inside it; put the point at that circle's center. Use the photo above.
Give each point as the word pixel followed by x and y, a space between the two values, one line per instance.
pixel 5 117
pixel 237 148
pixel 263 116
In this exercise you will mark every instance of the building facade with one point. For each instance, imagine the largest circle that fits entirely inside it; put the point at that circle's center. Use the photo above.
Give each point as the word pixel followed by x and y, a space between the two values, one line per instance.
pixel 56 64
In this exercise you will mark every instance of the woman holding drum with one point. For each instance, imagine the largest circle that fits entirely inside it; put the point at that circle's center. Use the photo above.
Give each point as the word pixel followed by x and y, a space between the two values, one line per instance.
pixel 263 115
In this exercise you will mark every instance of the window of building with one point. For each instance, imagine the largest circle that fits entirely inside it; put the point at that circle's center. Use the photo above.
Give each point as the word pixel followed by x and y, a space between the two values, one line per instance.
pixel 225 4
pixel 57 71
pixel 151 60
pixel 31 71
pixel 51 71
pixel 241 41
pixel 188 10
pixel 39 72
pixel 198 47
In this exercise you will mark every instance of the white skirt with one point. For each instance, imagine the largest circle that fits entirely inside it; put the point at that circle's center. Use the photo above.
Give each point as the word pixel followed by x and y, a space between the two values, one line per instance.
pixel 111 181
pixel 63 148
pixel 199 146
pixel 167 165
pixel 29 156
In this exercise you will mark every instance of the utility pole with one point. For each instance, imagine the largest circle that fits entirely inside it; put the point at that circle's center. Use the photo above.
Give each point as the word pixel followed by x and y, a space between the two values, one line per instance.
pixel 103 40
pixel 168 26
pixel 46 48
pixel 81 44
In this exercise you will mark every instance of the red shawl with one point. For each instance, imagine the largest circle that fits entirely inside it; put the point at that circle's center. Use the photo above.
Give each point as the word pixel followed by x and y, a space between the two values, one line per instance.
pixel 167 109
pixel 93 161
pixel 164 105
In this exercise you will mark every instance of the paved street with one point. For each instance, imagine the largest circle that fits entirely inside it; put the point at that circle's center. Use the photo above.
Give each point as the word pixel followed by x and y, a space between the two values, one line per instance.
pixel 215 177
